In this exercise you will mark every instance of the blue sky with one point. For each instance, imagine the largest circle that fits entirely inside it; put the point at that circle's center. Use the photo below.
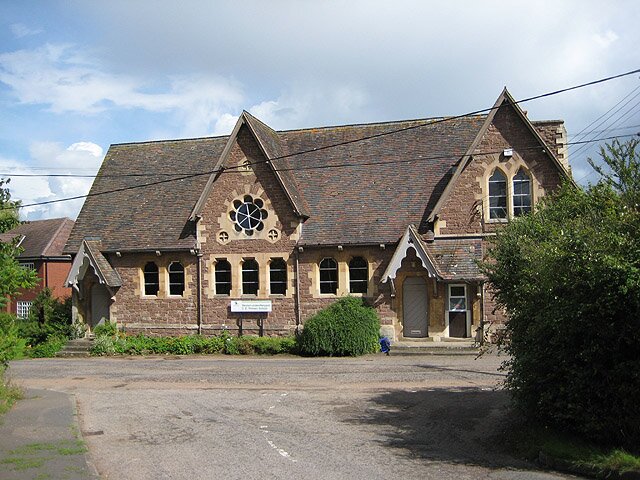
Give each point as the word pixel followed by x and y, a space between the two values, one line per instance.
pixel 77 76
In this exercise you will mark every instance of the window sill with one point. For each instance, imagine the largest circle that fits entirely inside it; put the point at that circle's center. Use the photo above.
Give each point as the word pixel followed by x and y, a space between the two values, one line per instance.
pixel 497 220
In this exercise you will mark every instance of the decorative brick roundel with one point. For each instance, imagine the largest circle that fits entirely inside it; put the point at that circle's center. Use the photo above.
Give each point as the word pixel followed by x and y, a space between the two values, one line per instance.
pixel 248 214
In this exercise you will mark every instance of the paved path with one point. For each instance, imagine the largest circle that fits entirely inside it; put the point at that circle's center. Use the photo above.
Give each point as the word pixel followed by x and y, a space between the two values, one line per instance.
pixel 39 439
pixel 374 417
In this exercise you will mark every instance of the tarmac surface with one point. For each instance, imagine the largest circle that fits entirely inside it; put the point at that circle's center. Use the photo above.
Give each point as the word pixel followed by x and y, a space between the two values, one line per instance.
pixel 373 417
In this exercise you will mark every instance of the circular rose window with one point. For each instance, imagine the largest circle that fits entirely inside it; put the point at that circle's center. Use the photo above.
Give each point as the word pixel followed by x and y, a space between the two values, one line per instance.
pixel 248 214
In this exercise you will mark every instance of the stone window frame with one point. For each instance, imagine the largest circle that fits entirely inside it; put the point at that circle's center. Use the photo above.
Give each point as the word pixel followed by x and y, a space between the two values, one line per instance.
pixel 514 195
pixel 216 282
pixel 364 282
pixel 321 282
pixel 171 281
pixel 253 280
pixel 147 282
pixel 284 269
pixel 509 169
pixel 505 180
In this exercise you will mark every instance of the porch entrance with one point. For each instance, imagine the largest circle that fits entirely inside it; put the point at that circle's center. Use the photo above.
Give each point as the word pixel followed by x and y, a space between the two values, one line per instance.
pixel 415 307
pixel 100 298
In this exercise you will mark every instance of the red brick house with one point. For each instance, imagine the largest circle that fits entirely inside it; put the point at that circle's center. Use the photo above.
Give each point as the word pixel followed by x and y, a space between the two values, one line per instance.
pixel 257 230
pixel 42 242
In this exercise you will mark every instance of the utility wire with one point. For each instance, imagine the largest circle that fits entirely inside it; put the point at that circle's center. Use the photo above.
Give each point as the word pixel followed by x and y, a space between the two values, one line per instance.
pixel 239 168
pixel 347 142
pixel 310 167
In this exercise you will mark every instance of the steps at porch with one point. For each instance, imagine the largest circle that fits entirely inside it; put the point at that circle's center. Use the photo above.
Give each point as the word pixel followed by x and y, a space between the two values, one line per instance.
pixel 80 347
pixel 429 346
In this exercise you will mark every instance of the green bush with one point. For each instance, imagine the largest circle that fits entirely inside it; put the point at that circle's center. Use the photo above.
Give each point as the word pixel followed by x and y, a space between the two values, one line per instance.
pixel 190 345
pixel 273 345
pixel 568 276
pixel 103 345
pixel 346 328
pixel 48 348
pixel 48 317
pixel 107 328
pixel 11 345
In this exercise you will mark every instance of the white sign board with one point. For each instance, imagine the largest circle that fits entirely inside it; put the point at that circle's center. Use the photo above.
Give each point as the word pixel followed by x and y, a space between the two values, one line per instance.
pixel 250 306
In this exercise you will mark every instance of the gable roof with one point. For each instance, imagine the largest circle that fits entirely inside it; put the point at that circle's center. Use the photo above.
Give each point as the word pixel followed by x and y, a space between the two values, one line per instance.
pixel 354 184
pixel 445 259
pixel 89 256
pixel 271 147
pixel 368 191
pixel 505 98
pixel 41 238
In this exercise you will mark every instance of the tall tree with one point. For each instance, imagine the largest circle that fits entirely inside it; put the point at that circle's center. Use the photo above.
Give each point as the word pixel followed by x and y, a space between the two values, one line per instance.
pixel 13 277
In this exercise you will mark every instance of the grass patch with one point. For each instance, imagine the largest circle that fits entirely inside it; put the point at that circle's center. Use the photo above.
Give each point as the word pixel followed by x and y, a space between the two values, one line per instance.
pixel 21 463
pixel 529 441
pixel 9 394
pixel 63 447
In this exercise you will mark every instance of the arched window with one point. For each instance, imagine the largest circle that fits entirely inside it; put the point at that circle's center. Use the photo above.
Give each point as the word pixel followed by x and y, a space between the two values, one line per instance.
pixel 328 276
pixel 151 279
pixel 497 195
pixel 250 277
pixel 358 275
pixel 521 193
pixel 278 277
pixel 176 278
pixel 223 277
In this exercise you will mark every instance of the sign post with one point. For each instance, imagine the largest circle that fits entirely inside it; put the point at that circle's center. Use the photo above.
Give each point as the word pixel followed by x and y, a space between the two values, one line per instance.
pixel 251 306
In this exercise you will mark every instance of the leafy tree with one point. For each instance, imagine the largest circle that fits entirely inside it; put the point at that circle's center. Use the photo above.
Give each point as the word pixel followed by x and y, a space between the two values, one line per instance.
pixel 12 276
pixel 8 208
pixel 622 171
pixel 568 276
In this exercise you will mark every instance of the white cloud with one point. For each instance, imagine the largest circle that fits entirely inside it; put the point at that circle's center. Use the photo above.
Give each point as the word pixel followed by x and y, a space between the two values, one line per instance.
pixel 68 81
pixel 20 30
pixel 79 158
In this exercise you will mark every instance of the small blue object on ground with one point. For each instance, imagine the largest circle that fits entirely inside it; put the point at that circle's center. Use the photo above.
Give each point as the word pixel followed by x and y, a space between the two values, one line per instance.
pixel 385 345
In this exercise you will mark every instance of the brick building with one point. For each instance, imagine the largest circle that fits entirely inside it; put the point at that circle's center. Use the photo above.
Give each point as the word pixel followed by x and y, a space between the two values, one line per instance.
pixel 42 242
pixel 260 229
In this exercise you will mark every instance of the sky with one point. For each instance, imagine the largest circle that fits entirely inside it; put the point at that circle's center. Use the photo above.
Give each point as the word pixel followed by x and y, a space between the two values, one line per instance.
pixel 77 76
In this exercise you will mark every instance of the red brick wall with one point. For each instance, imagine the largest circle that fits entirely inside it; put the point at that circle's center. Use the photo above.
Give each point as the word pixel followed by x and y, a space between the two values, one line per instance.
pixel 52 274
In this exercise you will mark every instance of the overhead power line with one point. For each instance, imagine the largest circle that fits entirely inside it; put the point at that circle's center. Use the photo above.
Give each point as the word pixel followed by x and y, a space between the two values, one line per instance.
pixel 178 176
pixel 308 167
pixel 347 142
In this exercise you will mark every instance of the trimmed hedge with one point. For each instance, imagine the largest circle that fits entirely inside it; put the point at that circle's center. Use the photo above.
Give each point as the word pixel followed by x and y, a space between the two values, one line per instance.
pixel 347 327
pixel 190 345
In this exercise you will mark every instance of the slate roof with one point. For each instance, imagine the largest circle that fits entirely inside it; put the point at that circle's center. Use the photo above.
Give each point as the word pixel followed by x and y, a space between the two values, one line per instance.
pixel 380 185
pixel 361 192
pixel 42 238
pixel 456 259
pixel 155 216
pixel 108 273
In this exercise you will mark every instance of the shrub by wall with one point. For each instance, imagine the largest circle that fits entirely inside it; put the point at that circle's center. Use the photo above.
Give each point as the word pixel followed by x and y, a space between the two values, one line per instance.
pixel 347 327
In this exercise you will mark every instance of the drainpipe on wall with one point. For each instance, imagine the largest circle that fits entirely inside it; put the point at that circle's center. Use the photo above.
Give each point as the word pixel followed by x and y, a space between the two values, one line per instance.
pixel 199 289
pixel 297 292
